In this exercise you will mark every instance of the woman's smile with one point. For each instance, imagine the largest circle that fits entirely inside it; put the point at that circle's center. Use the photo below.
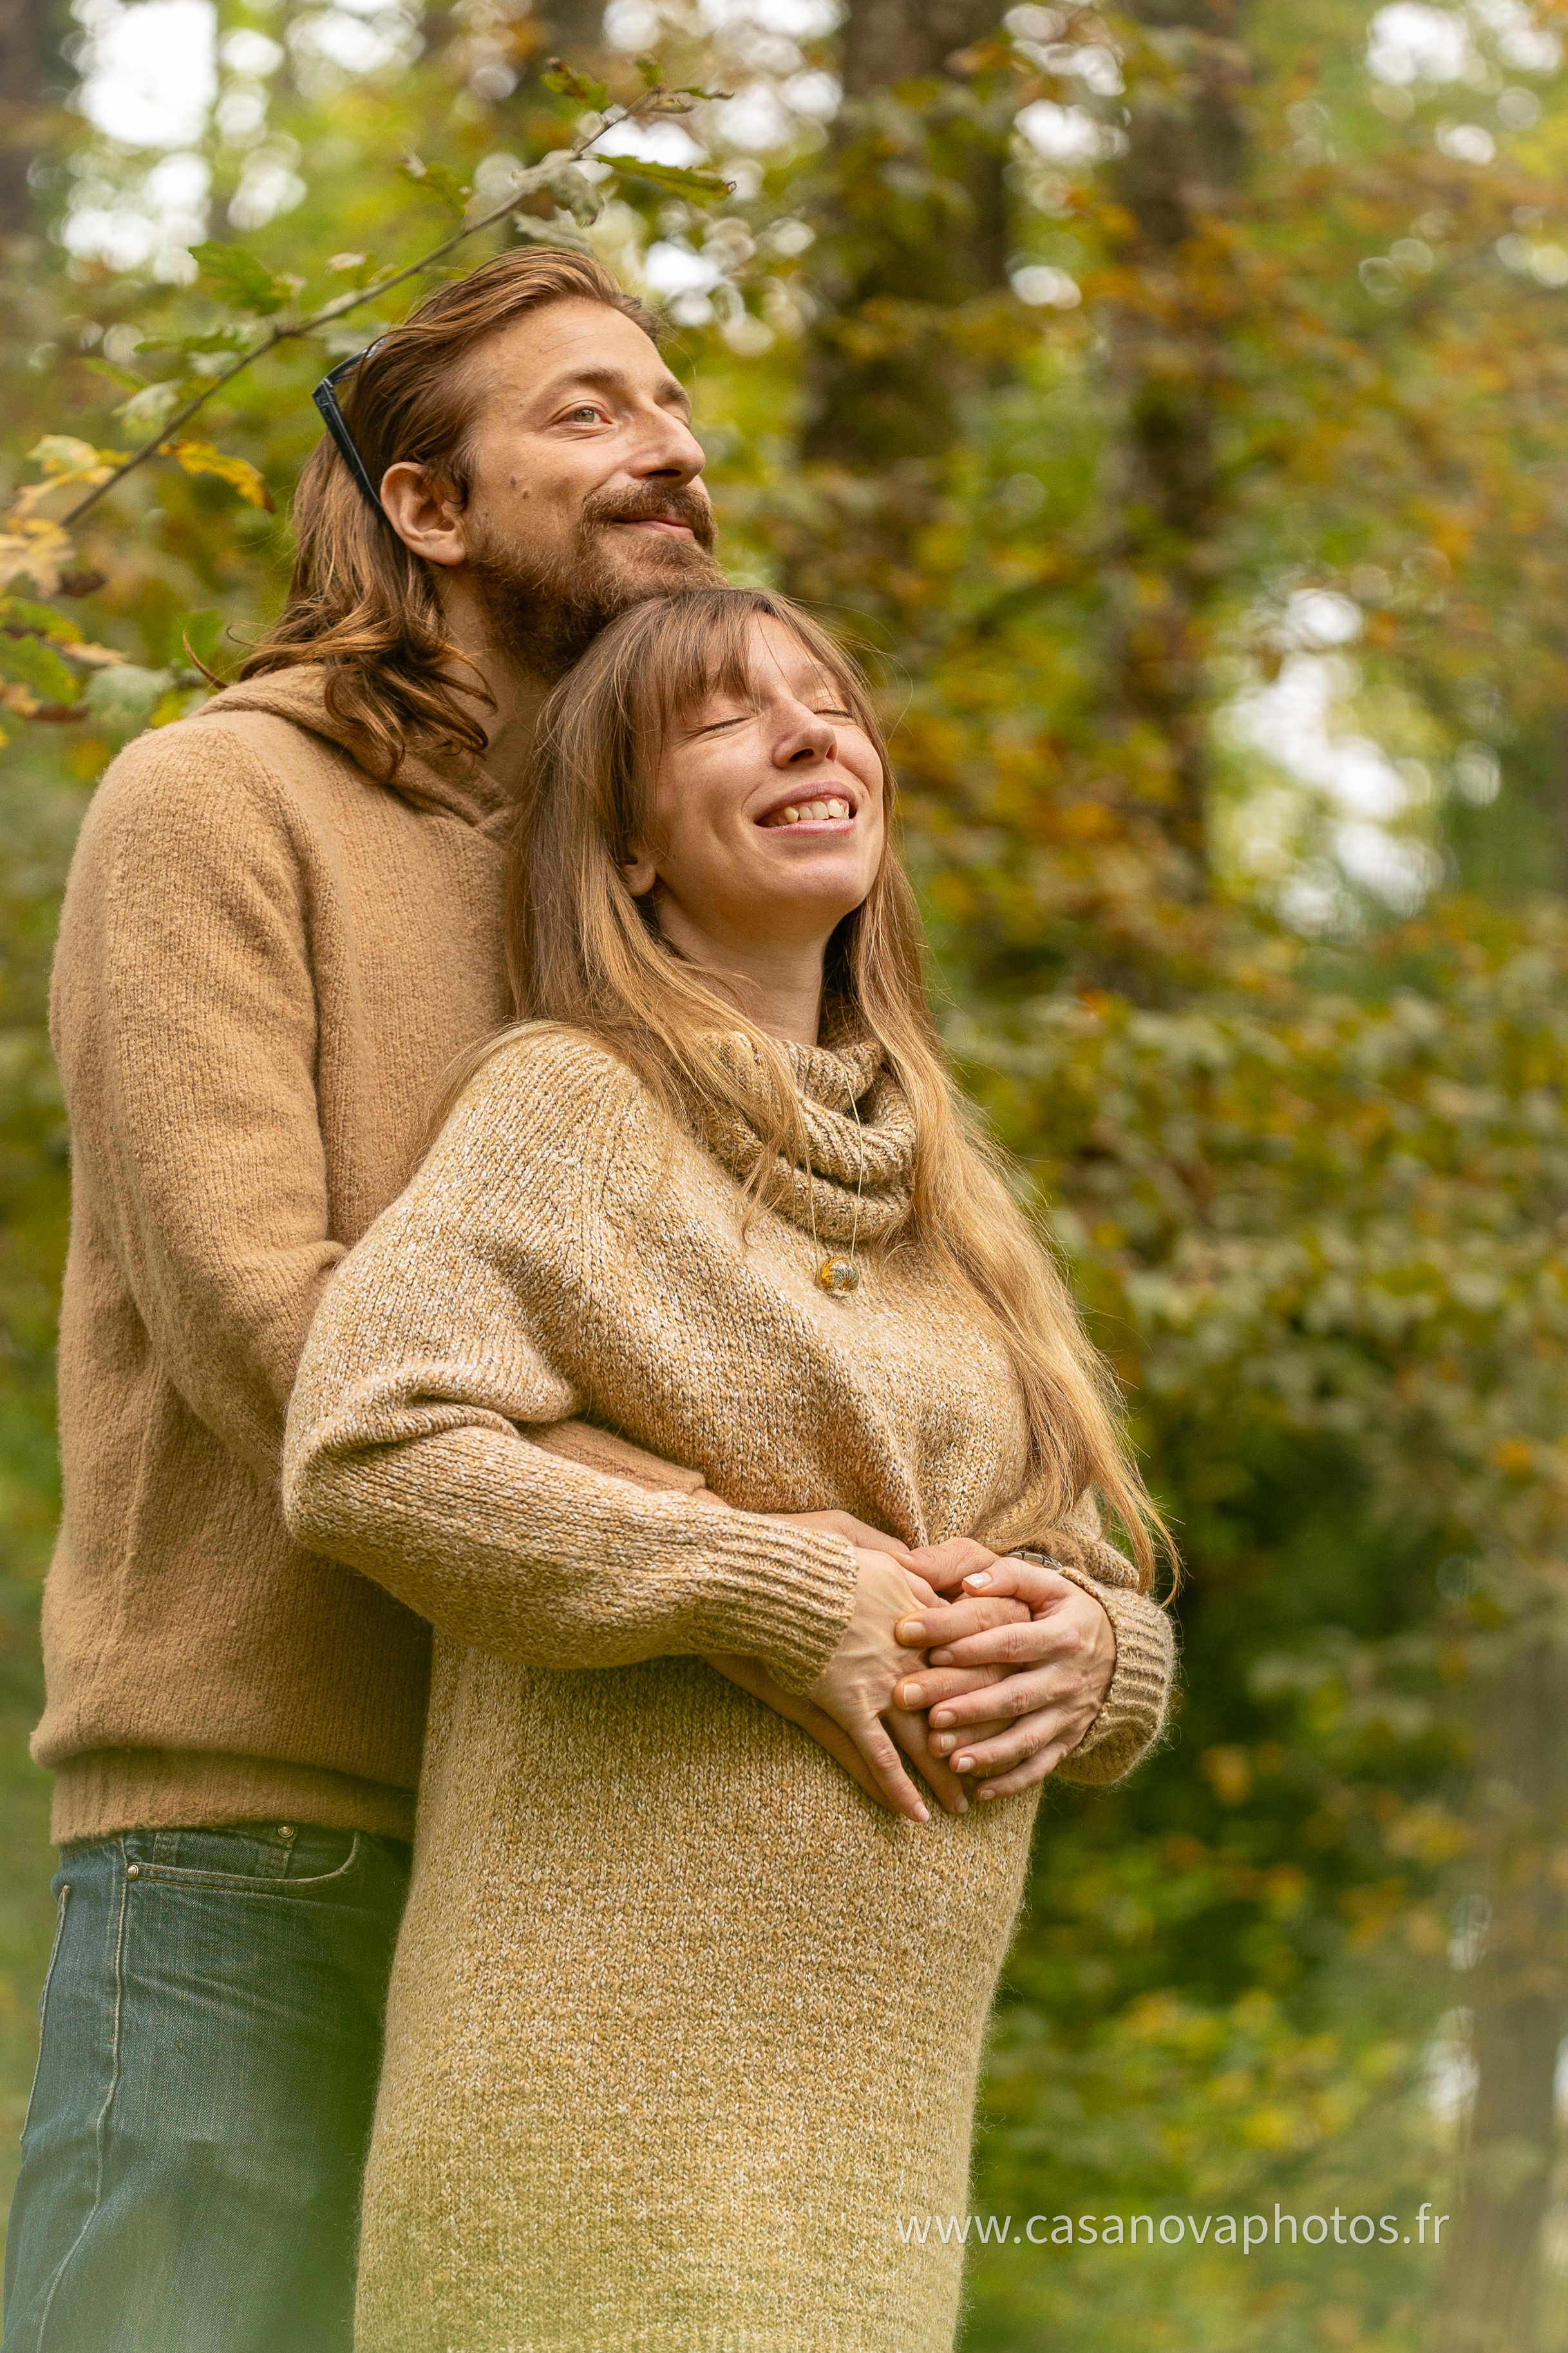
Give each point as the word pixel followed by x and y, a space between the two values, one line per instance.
pixel 821 810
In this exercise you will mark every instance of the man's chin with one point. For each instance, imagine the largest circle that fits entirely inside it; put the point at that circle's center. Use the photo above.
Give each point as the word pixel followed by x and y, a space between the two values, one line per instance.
pixel 654 563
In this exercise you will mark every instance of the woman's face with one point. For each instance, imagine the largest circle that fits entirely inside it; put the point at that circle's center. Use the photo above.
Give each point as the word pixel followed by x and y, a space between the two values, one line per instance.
pixel 767 818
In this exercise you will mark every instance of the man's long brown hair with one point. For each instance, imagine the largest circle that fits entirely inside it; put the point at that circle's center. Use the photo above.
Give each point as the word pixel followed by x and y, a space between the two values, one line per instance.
pixel 584 953
pixel 360 601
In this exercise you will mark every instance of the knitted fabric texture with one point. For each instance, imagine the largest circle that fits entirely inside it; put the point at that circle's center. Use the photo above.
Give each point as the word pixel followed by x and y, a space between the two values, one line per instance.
pixel 859 1164
pixel 267 961
pixel 681 2024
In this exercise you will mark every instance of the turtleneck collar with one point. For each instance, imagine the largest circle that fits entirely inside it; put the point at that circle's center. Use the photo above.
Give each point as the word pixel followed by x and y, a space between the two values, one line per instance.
pixel 859 1137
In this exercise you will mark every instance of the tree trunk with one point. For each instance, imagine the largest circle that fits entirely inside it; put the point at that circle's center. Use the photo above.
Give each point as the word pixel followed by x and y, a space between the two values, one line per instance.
pixel 27 50
pixel 1493 2276
pixel 922 229
pixel 1176 185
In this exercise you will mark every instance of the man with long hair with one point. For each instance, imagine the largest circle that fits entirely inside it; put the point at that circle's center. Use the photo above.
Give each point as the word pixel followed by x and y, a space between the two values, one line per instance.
pixel 283 921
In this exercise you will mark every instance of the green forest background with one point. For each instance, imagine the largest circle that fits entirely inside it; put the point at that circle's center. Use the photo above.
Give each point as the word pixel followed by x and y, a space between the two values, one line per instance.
pixel 1173 403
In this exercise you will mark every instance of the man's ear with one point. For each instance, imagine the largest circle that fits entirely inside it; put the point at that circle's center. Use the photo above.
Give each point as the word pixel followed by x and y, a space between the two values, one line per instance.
pixel 424 513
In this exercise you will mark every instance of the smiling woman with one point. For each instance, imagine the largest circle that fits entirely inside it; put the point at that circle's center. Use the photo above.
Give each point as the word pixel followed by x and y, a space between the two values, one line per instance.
pixel 688 2007
pixel 767 825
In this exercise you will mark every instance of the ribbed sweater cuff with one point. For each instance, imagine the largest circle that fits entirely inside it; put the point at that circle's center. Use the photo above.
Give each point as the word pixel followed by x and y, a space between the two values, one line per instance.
pixel 775 1593
pixel 1132 1716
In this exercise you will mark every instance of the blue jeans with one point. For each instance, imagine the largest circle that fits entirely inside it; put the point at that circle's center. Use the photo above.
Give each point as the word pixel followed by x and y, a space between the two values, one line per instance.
pixel 191 2159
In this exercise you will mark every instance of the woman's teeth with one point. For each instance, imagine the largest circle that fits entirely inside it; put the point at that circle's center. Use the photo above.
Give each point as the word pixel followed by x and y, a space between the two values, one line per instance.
pixel 799 809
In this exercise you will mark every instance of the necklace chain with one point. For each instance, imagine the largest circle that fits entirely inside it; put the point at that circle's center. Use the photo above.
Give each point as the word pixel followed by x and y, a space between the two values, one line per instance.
pixel 838 1276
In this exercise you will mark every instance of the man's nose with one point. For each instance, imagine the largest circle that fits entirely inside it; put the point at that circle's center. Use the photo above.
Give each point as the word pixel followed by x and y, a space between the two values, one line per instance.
pixel 668 450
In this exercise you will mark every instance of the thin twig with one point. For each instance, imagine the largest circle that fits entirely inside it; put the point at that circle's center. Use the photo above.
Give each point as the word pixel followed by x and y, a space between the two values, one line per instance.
pixel 337 308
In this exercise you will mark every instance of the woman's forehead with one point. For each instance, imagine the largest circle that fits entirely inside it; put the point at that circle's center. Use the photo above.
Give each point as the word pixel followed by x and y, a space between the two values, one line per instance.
pixel 770 659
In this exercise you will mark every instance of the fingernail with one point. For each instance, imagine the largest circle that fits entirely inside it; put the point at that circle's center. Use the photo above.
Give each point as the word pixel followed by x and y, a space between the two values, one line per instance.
pixel 943 1741
pixel 922 1814
pixel 942 1715
pixel 911 1629
pixel 978 1576
pixel 961 1805
pixel 942 1658
pixel 909 1694
pixel 963 1765
pixel 988 1793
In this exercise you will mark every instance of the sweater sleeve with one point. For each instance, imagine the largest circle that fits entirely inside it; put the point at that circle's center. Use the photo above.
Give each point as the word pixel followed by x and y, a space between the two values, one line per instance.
pixel 439 1348
pixel 183 1022
pixel 1133 1714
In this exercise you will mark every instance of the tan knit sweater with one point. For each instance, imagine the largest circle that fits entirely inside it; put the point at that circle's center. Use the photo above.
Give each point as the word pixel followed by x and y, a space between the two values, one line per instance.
pixel 681 2023
pixel 267 960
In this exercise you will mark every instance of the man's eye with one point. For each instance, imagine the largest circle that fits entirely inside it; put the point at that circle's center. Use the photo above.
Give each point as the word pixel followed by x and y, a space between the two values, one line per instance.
pixel 588 410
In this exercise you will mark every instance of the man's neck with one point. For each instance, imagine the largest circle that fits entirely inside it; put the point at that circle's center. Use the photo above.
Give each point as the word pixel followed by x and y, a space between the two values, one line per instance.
pixel 511 727
pixel 517 689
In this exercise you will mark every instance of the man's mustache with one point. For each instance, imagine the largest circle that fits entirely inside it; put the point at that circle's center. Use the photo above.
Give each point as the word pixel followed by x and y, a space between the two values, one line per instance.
pixel 658 502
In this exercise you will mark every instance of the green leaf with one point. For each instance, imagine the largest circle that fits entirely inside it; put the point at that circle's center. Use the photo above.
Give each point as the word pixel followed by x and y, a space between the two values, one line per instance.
pixel 122 701
pixel 22 612
pixel 442 183
pixel 359 269
pixel 675 179
pixel 224 339
pixel 593 95
pixel 197 634
pixel 35 664
pixel 153 405
pixel 112 375
pixel 651 71
pixel 236 278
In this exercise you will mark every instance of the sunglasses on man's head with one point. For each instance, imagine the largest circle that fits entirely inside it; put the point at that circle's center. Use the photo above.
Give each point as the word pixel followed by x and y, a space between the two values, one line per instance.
pixel 326 399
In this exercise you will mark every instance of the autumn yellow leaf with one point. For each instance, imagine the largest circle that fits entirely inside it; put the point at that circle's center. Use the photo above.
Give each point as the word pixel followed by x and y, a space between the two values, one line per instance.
pixel 201 458
pixel 67 463
pixel 36 549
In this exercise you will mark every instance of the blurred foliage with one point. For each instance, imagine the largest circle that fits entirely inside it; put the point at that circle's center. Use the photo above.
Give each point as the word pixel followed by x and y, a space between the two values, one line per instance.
pixel 1171 408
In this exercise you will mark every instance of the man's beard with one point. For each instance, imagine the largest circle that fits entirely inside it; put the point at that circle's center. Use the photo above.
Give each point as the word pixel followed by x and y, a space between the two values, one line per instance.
pixel 548 609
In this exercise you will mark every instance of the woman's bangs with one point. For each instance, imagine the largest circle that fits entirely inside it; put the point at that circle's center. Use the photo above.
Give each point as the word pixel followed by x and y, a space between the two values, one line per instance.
pixel 700 646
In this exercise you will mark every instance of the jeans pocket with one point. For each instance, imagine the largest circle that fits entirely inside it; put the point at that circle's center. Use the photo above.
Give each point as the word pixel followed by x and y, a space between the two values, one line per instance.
pixel 246 1858
pixel 61 1902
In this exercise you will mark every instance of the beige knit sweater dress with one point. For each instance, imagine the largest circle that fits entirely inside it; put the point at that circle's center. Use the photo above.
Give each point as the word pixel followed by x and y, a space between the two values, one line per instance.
pixel 681 2024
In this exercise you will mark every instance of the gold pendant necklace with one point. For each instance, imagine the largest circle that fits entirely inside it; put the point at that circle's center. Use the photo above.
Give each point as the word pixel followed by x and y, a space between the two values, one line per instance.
pixel 838 1276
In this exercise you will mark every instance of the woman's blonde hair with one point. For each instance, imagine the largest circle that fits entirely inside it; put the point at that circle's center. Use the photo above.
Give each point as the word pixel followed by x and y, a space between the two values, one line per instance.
pixel 583 953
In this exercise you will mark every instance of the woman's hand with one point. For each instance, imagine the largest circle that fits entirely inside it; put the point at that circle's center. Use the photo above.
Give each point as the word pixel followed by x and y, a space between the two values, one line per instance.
pixel 1057 1667
pixel 856 1687
pixel 909 1727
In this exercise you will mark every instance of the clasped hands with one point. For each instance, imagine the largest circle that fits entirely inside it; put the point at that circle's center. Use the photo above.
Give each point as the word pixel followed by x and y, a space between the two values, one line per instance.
pixel 993 1685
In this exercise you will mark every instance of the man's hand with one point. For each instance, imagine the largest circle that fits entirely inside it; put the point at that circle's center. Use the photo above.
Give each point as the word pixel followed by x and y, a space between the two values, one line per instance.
pixel 856 1687
pixel 841 1523
pixel 795 1709
pixel 1056 1665
pixel 908 1726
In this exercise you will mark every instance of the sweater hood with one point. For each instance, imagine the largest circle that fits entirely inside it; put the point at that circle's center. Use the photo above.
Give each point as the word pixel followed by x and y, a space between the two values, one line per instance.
pixel 457 785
